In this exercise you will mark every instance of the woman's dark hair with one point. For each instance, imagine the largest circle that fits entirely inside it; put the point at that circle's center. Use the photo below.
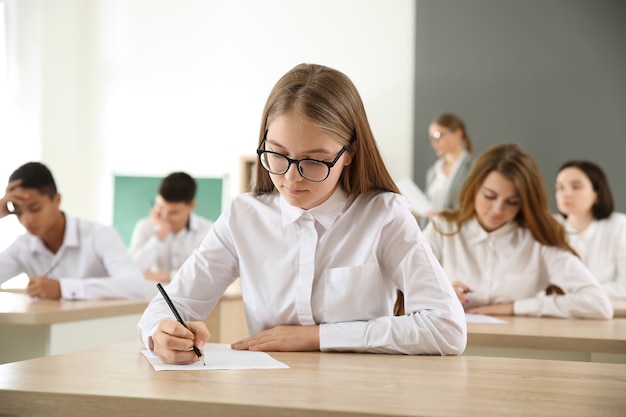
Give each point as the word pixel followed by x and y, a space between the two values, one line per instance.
pixel 604 205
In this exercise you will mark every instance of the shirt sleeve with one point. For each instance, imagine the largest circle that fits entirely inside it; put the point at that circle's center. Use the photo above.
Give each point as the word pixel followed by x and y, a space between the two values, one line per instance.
pixel 434 322
pixel 616 288
pixel 434 238
pixel 583 298
pixel 196 287
pixel 9 261
pixel 124 279
pixel 144 245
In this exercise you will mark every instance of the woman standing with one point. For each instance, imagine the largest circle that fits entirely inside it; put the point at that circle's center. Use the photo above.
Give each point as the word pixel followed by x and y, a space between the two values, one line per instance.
pixel 452 144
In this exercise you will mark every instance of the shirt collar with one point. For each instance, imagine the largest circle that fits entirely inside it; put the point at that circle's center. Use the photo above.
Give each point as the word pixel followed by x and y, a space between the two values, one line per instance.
pixel 325 214
pixel 192 222
pixel 477 234
pixel 439 163
pixel 586 233
pixel 70 236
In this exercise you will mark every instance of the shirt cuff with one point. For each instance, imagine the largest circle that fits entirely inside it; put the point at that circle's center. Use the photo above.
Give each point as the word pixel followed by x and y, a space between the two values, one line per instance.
pixel 72 289
pixel 348 336
pixel 527 307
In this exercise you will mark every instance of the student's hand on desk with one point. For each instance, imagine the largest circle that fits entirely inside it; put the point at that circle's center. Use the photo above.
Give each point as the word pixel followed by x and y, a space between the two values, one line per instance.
pixel 173 343
pixel 504 309
pixel 282 339
pixel 462 291
pixel 44 287
pixel 157 276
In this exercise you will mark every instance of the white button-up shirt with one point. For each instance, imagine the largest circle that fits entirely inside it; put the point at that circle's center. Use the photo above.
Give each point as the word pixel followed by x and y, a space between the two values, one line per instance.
pixel 602 247
pixel 156 255
pixel 92 262
pixel 438 191
pixel 337 265
pixel 508 265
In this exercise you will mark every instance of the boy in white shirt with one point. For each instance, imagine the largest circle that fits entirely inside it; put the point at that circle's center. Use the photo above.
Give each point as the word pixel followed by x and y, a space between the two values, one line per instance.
pixel 163 241
pixel 64 257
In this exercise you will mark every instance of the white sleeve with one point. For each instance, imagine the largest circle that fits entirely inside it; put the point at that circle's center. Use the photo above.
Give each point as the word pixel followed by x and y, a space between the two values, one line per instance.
pixel 144 245
pixel 434 238
pixel 583 298
pixel 196 287
pixel 434 322
pixel 616 288
pixel 9 261
pixel 124 279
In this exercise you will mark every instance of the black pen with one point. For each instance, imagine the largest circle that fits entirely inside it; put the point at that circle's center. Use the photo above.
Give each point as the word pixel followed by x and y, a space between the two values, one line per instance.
pixel 179 319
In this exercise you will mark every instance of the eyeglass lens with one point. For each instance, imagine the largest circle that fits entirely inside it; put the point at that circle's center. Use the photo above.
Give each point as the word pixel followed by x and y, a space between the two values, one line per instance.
pixel 310 169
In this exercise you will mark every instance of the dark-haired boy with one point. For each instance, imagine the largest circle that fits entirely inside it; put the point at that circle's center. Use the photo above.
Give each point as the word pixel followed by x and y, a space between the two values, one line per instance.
pixel 63 256
pixel 163 241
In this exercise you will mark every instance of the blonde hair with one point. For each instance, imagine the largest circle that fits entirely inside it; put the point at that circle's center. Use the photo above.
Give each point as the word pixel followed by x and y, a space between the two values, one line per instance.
pixel 328 99
pixel 519 168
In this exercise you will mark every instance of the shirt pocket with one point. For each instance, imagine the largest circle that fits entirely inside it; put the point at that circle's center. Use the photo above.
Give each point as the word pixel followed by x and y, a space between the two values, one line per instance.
pixel 353 293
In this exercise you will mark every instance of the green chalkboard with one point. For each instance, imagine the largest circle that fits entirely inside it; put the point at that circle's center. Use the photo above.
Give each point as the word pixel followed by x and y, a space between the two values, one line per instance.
pixel 135 195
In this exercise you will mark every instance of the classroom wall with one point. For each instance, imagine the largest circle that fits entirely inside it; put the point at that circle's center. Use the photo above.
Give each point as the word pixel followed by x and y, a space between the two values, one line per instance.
pixel 142 87
pixel 548 75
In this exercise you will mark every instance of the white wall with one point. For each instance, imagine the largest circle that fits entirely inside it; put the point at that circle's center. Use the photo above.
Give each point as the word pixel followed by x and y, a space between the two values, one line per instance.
pixel 147 87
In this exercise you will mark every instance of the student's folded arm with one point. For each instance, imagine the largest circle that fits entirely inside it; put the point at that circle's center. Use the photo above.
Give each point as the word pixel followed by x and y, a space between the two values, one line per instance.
pixel 9 262
pixel 617 288
pixel 144 245
pixel 123 280
pixel 583 298
pixel 434 323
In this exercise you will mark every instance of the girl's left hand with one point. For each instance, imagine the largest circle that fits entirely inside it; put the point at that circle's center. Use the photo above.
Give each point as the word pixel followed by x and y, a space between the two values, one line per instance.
pixel 282 339
pixel 504 309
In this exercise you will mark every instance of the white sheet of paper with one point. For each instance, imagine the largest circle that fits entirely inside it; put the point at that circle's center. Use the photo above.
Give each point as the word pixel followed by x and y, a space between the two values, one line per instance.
pixel 220 356
pixel 417 198
pixel 483 318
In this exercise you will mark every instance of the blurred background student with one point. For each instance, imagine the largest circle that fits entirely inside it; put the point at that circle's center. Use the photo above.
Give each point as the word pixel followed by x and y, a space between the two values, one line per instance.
pixel 594 230
pixel 453 146
pixel 505 252
pixel 63 256
pixel 161 242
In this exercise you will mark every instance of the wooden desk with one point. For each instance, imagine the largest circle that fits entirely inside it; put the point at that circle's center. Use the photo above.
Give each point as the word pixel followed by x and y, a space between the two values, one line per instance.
pixel 550 338
pixel 32 328
pixel 117 380
pixel 619 308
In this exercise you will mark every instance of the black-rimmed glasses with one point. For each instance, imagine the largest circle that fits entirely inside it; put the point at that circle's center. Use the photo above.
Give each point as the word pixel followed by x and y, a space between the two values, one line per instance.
pixel 310 169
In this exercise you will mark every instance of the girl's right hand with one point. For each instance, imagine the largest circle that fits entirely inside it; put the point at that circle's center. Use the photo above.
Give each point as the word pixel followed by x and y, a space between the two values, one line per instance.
pixel 173 343
pixel 462 291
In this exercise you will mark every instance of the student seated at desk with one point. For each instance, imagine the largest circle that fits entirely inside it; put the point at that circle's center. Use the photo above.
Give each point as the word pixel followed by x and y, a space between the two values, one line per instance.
pixel 505 252
pixel 162 242
pixel 594 230
pixel 322 245
pixel 64 257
